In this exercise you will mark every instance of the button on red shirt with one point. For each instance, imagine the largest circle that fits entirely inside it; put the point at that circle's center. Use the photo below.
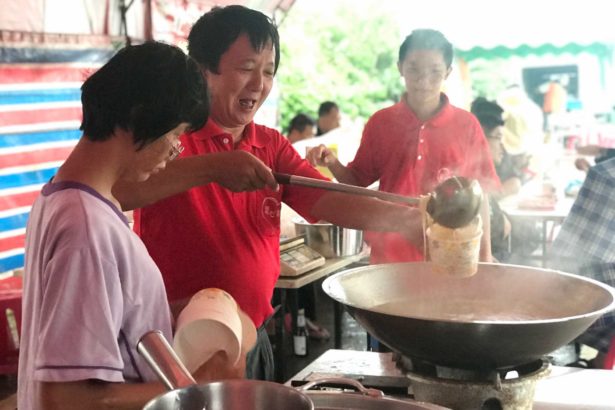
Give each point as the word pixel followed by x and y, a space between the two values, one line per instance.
pixel 209 236
pixel 410 157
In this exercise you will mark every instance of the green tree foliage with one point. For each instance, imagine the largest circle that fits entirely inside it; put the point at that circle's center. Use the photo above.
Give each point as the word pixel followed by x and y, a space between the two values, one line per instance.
pixel 346 53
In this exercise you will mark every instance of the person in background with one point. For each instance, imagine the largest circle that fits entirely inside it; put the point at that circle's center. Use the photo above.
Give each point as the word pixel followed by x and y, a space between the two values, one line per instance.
pixel 585 246
pixel 90 288
pixel 511 239
pixel 489 115
pixel 226 234
pixel 599 153
pixel 417 143
pixel 524 134
pixel 301 127
pixel 329 117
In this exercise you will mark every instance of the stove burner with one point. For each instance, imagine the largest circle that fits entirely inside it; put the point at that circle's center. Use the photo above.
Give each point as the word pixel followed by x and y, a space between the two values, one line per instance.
pixel 462 389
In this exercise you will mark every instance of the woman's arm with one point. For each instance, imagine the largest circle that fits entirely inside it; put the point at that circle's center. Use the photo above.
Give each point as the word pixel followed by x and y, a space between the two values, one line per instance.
pixel 96 395
pixel 99 395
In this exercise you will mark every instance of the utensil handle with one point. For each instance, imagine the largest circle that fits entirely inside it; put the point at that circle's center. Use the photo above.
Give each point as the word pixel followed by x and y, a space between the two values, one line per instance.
pixel 164 362
pixel 345 382
pixel 286 179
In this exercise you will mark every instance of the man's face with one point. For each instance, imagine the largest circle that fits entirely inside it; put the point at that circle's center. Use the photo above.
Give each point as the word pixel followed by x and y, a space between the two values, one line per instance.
pixel 330 120
pixel 494 138
pixel 424 72
pixel 243 82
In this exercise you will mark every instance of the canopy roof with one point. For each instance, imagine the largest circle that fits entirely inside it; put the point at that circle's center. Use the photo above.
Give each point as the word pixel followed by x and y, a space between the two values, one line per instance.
pixel 496 29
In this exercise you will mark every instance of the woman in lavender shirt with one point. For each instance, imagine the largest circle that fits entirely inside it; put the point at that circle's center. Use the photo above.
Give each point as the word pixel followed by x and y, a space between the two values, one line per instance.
pixel 90 287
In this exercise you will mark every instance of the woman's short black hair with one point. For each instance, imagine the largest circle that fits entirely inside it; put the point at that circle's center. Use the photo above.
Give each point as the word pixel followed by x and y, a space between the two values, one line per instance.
pixel 213 33
pixel 427 39
pixel 300 121
pixel 148 89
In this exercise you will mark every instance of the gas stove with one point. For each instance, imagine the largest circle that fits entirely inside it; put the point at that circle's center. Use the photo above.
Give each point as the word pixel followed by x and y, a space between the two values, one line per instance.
pixel 538 385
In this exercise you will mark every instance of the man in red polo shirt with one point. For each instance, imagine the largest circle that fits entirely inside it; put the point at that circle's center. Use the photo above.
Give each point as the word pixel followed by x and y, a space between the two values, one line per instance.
pixel 417 143
pixel 212 235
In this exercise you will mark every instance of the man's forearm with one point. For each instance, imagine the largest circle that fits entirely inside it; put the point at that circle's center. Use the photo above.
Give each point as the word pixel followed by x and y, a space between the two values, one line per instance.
pixel 179 176
pixel 358 212
pixel 342 173
pixel 236 170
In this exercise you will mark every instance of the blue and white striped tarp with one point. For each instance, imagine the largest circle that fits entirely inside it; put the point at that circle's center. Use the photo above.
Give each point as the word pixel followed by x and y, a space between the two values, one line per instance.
pixel 40 114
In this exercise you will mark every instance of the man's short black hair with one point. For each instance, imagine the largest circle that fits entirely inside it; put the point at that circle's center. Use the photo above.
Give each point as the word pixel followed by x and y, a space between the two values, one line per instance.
pixel 213 33
pixel 488 113
pixel 148 89
pixel 300 121
pixel 326 107
pixel 427 39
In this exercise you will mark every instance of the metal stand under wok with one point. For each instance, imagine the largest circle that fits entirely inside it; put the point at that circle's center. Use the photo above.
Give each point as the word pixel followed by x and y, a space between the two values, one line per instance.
pixel 461 389
pixel 558 388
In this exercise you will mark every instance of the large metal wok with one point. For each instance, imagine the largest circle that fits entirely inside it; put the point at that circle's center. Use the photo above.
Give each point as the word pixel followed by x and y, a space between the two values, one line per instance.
pixel 503 316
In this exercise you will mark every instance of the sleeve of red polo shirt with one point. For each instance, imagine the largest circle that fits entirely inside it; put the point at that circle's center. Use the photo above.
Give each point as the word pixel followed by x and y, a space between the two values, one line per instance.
pixel 481 167
pixel 301 199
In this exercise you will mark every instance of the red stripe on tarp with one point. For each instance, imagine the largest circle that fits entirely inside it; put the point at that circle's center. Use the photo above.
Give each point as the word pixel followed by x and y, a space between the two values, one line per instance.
pixel 40 115
pixel 18 200
pixel 44 73
pixel 12 242
pixel 34 157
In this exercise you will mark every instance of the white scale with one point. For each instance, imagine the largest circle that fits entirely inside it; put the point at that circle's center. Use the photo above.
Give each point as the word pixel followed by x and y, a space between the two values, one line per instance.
pixel 297 258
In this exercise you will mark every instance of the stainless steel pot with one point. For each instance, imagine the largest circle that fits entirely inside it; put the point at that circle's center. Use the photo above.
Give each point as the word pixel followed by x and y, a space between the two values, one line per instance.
pixel 331 241
pixel 240 394
pixel 363 398
pixel 503 316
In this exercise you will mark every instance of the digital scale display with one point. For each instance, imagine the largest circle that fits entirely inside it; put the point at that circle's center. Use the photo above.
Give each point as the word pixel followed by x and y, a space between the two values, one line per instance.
pixel 297 258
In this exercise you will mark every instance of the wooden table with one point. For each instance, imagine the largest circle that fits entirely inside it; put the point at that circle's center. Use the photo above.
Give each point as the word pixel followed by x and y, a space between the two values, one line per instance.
pixel 556 216
pixel 288 286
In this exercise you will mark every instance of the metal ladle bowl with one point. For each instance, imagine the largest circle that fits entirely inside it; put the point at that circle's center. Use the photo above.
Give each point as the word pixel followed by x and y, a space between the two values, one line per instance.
pixel 454 203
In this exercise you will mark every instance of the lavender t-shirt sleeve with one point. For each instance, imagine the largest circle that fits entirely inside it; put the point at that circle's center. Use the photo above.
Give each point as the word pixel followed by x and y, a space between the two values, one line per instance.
pixel 80 315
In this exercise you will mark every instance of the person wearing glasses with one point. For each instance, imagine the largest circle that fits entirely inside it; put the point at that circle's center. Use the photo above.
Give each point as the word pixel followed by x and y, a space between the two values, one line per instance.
pixel 226 234
pixel 91 290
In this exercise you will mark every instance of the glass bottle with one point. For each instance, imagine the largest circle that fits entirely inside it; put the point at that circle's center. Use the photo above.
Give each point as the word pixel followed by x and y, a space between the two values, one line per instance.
pixel 300 336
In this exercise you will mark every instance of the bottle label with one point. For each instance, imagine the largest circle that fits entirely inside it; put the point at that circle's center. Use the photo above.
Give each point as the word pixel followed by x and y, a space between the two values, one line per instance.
pixel 300 345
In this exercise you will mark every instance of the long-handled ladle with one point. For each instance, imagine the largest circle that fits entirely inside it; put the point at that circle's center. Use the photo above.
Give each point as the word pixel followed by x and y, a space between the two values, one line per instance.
pixel 454 203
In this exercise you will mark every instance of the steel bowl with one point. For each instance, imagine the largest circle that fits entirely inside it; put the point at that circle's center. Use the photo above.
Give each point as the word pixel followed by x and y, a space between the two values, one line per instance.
pixel 331 241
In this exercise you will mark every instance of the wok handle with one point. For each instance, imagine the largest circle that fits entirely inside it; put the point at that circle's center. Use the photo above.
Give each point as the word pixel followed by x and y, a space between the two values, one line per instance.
pixel 286 179
pixel 164 362
pixel 345 382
